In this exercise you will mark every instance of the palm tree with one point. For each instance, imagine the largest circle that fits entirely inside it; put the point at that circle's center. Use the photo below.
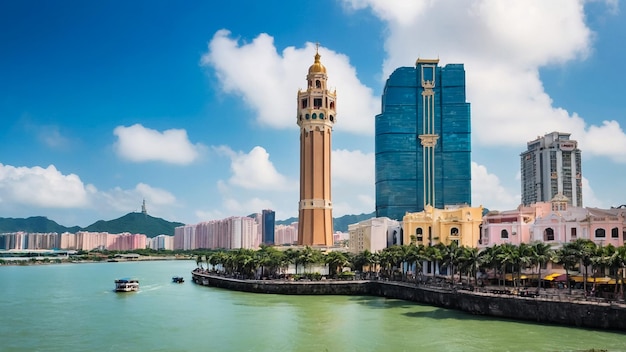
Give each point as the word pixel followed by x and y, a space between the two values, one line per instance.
pixel 490 258
pixel 434 256
pixel 414 257
pixel 509 256
pixel 541 253
pixel 336 261
pixel 199 261
pixel 586 249
pixel 470 261
pixel 292 256
pixel 569 257
pixel 620 261
pixel 451 258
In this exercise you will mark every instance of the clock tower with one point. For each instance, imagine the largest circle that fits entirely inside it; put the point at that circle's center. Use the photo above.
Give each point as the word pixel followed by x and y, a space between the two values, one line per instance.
pixel 316 117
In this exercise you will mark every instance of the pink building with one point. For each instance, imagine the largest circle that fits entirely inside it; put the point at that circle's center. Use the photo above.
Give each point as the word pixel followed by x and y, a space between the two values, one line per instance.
pixel 555 223
pixel 232 232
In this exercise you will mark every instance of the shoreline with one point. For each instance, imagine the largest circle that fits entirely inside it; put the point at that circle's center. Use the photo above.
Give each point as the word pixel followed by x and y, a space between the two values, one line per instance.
pixel 574 313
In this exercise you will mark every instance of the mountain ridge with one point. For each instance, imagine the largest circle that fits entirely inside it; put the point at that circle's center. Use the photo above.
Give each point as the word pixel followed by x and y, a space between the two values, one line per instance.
pixel 136 223
pixel 131 222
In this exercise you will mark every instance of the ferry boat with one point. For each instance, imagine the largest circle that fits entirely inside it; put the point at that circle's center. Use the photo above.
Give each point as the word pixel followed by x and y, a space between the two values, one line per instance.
pixel 178 279
pixel 126 285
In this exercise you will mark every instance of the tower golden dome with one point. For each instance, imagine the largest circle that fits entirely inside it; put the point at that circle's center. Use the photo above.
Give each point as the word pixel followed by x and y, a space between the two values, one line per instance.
pixel 317 66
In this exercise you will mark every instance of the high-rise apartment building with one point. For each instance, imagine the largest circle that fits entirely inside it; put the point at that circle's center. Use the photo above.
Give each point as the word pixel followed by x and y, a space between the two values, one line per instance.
pixel 316 117
pixel 423 141
pixel 552 165
pixel 268 224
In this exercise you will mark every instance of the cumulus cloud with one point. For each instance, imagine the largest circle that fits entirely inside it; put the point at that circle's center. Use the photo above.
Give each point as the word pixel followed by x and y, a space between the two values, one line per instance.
pixel 503 44
pixel 268 81
pixel 127 200
pixel 138 143
pixel 254 170
pixel 352 182
pixel 488 191
pixel 42 187
pixel 352 166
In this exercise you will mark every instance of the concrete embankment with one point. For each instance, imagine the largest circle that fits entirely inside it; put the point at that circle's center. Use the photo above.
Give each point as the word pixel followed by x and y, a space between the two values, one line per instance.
pixel 598 315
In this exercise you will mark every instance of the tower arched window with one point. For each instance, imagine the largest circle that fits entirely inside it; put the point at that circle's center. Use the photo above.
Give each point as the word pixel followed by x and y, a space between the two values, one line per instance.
pixel 504 234
pixel 548 234
pixel 318 84
pixel 307 116
pixel 600 233
pixel 332 105
pixel 314 116
pixel 614 233
pixel 419 235
pixel 454 231
pixel 321 115
pixel 332 118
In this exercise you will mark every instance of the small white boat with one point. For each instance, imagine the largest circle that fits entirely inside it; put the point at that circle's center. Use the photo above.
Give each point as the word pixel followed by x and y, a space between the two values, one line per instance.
pixel 126 285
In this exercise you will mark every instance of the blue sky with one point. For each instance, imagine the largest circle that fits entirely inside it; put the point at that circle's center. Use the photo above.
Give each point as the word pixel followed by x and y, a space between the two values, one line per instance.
pixel 191 105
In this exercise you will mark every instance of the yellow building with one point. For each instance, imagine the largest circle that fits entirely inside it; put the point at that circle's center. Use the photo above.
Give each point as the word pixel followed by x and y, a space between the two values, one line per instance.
pixel 316 117
pixel 459 224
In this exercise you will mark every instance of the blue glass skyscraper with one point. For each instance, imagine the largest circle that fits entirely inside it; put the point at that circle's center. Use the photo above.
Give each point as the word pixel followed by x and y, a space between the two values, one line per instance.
pixel 423 140
pixel 268 223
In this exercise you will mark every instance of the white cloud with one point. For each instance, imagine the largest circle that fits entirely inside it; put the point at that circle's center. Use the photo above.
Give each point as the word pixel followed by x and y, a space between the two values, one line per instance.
pixel 137 143
pixel 352 167
pixel 255 171
pixel 158 201
pixel 41 187
pixel 595 141
pixel 503 44
pixel 488 192
pixel 268 81
pixel 589 197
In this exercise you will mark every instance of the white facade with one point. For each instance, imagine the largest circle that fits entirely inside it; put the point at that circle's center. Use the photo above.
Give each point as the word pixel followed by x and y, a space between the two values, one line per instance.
pixel 372 234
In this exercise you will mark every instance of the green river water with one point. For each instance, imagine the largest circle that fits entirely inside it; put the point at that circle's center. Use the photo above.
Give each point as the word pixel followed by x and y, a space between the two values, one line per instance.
pixel 72 307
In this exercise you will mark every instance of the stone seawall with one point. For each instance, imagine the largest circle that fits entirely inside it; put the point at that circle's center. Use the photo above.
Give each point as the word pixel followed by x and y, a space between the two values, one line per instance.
pixel 573 313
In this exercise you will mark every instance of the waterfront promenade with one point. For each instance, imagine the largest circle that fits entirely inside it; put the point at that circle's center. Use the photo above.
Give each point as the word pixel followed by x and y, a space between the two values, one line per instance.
pixel 547 307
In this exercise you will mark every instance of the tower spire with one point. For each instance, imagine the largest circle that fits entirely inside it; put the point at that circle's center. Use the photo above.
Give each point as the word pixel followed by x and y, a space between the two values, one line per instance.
pixel 316 118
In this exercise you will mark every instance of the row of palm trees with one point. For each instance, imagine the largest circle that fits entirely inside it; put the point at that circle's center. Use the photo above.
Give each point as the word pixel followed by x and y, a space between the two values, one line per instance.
pixel 406 262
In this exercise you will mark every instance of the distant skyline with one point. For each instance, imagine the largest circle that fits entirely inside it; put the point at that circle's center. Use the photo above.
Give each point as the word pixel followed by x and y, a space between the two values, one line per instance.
pixel 192 106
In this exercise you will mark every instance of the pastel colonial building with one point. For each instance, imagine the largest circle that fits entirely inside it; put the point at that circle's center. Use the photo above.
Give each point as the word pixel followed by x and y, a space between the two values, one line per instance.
pixel 373 234
pixel 460 224
pixel 555 222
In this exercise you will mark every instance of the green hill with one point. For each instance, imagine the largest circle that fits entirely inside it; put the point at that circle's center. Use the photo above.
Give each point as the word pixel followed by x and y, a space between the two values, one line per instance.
pixel 136 223
pixel 39 224
pixel 339 224
pixel 131 222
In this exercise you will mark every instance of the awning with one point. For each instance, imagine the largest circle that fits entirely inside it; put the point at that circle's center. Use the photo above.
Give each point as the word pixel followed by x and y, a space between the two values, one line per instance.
pixel 561 278
pixel 590 279
pixel 551 277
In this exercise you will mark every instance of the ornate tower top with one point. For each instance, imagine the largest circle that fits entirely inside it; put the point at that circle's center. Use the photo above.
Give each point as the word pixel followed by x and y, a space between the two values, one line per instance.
pixel 317 66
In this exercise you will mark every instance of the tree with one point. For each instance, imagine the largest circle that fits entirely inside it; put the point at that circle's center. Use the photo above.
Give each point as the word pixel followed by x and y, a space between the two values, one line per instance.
pixel 471 261
pixel 451 258
pixel 541 253
pixel 292 256
pixel 569 257
pixel 335 261
pixel 490 258
pixel 585 250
